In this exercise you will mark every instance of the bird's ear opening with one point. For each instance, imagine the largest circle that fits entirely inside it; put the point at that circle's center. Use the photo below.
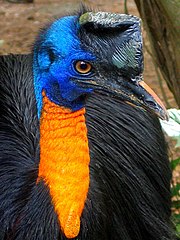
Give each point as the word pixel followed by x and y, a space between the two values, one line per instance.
pixel 46 57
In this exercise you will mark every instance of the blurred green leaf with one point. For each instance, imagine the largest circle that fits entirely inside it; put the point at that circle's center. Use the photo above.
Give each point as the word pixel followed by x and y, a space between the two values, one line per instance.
pixel 176 204
pixel 176 220
pixel 174 163
pixel 172 127
pixel 178 231
pixel 175 190
pixel 174 114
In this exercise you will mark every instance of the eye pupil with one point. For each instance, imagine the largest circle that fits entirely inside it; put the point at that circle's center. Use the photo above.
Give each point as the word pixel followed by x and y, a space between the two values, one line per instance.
pixel 83 67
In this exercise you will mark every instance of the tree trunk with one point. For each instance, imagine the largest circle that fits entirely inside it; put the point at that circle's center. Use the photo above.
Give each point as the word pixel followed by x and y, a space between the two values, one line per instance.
pixel 161 21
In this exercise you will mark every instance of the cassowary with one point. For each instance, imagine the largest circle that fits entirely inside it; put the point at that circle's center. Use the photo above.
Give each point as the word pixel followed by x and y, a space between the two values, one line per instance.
pixel 82 154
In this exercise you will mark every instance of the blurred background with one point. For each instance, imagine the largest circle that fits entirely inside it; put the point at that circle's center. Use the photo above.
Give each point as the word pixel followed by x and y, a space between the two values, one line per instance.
pixel 20 21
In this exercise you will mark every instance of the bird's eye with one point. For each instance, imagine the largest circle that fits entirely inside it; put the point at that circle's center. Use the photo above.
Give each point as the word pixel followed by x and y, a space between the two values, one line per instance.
pixel 83 67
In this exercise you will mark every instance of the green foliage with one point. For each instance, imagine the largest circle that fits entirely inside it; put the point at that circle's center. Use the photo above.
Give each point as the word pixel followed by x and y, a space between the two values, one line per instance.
pixel 175 191
pixel 176 204
pixel 176 220
pixel 174 163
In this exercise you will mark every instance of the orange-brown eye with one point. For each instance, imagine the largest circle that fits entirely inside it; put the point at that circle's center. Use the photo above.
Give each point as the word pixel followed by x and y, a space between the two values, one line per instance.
pixel 83 67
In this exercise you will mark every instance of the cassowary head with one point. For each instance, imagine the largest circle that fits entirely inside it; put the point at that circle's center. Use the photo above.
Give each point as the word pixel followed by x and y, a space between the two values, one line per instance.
pixel 92 52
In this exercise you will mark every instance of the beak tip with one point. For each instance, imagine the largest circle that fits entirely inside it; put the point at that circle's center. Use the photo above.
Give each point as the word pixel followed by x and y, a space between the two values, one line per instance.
pixel 166 118
pixel 163 114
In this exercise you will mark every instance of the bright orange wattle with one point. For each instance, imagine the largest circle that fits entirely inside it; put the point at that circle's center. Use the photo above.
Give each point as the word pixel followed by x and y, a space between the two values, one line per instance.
pixel 64 162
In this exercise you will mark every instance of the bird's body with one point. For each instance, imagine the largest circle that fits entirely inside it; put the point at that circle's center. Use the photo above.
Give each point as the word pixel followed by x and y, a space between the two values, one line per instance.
pixel 124 192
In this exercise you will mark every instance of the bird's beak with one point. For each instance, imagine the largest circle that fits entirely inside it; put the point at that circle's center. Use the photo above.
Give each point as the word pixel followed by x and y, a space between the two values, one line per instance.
pixel 134 93
pixel 138 94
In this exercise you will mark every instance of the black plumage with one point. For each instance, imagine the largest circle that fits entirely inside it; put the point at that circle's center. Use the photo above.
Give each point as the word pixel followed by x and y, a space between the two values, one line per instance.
pixel 129 194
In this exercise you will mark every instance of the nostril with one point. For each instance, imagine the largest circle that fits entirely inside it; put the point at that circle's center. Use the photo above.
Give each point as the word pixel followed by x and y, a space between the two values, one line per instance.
pixel 151 103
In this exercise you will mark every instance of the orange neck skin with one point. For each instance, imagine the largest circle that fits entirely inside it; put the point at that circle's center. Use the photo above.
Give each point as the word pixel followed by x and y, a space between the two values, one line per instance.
pixel 64 162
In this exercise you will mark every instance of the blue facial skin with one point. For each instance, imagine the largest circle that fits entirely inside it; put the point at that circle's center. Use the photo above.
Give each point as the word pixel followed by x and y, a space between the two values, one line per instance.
pixel 53 65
